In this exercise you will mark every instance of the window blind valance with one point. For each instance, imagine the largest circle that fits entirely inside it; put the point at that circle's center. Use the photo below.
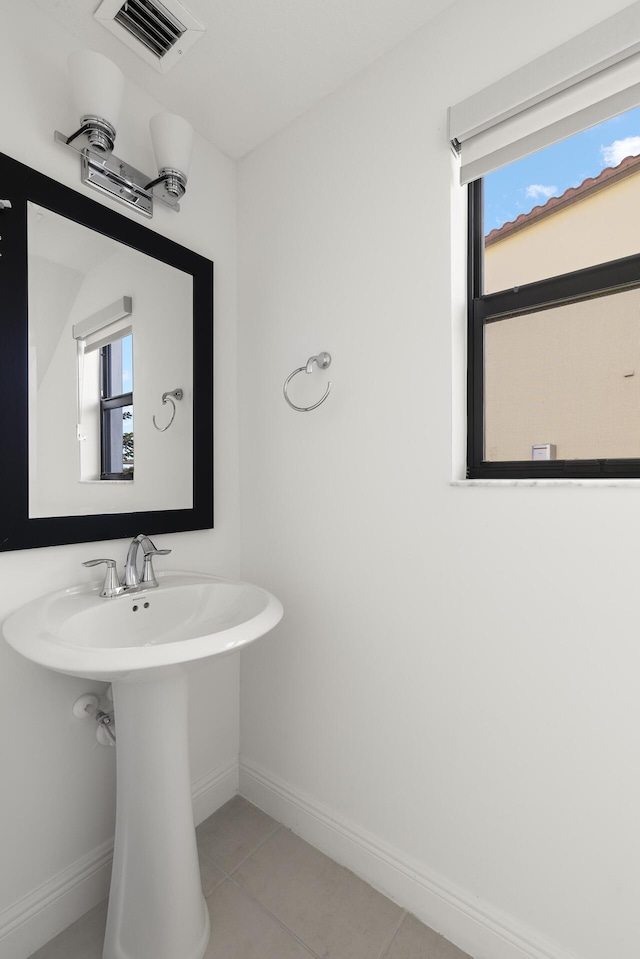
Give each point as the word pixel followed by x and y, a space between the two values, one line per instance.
pixel 105 326
pixel 584 81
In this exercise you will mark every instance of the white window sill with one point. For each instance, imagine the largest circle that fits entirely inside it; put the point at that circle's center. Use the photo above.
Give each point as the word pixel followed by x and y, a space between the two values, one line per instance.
pixel 633 483
pixel 99 482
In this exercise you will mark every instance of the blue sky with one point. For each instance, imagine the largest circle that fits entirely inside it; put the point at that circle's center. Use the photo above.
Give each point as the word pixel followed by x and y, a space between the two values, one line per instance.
pixel 529 182
pixel 127 363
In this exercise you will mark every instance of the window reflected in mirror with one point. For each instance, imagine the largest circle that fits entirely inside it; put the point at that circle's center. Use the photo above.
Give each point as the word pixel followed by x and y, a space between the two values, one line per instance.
pixel 116 409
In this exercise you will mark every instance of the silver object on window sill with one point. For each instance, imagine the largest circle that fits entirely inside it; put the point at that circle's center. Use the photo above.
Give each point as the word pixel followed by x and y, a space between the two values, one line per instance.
pixel 323 360
pixel 168 397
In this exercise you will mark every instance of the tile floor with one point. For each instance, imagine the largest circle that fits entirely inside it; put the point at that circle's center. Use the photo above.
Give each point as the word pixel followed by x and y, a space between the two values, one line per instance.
pixel 273 896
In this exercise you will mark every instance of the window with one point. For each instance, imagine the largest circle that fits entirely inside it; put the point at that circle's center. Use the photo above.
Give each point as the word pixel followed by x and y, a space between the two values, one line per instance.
pixel 116 409
pixel 554 286
pixel 554 315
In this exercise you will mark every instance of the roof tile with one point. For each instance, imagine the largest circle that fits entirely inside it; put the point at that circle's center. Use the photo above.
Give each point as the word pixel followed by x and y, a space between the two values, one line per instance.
pixel 625 168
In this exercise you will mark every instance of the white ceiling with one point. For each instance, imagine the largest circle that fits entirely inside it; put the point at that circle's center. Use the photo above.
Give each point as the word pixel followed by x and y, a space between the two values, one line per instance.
pixel 261 63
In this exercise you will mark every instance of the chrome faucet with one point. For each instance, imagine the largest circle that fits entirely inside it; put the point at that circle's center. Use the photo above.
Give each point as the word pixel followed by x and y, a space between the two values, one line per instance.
pixel 131 576
pixel 132 580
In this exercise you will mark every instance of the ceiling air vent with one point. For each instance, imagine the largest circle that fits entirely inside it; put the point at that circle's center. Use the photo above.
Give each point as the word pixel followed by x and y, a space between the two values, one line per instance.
pixel 151 24
pixel 158 32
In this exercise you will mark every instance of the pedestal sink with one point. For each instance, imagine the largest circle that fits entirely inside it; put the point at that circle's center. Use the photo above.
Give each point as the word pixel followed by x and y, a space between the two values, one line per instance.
pixel 142 642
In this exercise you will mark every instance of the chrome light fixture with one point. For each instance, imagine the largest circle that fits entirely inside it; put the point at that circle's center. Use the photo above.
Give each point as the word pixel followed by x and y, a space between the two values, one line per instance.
pixel 98 87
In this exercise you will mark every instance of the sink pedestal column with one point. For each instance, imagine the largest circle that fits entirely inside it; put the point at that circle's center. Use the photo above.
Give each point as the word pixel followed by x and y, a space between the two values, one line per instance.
pixel 156 907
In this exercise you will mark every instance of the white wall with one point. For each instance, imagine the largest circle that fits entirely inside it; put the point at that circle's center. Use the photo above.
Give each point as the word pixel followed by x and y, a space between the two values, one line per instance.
pixel 455 678
pixel 57 788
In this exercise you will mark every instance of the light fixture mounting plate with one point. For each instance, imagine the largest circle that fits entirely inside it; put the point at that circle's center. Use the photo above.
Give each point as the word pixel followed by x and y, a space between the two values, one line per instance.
pixel 110 175
pixel 117 179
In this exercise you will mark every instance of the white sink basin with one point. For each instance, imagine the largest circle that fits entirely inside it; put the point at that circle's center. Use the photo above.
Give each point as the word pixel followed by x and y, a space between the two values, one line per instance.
pixel 189 616
pixel 142 642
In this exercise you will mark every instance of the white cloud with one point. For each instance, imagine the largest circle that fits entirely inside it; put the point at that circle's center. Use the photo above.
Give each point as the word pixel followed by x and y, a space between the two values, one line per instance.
pixel 619 149
pixel 536 191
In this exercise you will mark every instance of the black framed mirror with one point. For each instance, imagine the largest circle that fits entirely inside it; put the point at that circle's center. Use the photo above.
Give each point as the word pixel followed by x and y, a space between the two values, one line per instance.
pixel 106 371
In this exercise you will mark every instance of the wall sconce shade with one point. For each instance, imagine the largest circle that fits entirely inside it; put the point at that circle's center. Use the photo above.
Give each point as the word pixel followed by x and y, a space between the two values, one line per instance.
pixel 98 87
pixel 172 139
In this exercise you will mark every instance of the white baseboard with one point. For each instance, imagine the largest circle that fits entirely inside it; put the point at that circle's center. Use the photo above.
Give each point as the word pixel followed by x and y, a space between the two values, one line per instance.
pixel 43 913
pixel 214 789
pixel 39 916
pixel 474 926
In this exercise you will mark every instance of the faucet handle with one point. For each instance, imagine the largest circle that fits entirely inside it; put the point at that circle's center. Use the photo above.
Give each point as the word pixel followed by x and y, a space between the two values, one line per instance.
pixel 148 575
pixel 149 548
pixel 111 585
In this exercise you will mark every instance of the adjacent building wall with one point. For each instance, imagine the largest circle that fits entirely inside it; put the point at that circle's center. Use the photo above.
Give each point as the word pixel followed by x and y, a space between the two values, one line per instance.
pixel 57 787
pixel 450 704
pixel 568 376
pixel 594 227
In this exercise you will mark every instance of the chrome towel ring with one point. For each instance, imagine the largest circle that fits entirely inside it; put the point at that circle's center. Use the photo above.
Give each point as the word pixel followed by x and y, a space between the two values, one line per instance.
pixel 168 396
pixel 323 360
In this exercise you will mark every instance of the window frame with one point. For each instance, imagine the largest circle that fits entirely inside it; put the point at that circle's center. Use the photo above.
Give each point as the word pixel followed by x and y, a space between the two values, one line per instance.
pixel 599 280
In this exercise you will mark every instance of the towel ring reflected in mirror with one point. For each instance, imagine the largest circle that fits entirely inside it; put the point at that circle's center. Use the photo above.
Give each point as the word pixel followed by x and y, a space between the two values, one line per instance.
pixel 323 361
pixel 168 397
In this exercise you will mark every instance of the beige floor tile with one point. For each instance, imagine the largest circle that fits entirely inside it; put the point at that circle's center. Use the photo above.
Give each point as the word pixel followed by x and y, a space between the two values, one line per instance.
pixel 84 939
pixel 332 911
pixel 210 875
pixel 233 832
pixel 415 941
pixel 241 929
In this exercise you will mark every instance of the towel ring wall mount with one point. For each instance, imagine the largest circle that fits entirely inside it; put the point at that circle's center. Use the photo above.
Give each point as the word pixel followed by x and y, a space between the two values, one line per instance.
pixel 323 361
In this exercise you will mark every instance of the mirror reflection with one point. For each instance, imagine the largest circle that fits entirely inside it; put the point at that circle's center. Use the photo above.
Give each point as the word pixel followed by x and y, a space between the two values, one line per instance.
pixel 110 334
